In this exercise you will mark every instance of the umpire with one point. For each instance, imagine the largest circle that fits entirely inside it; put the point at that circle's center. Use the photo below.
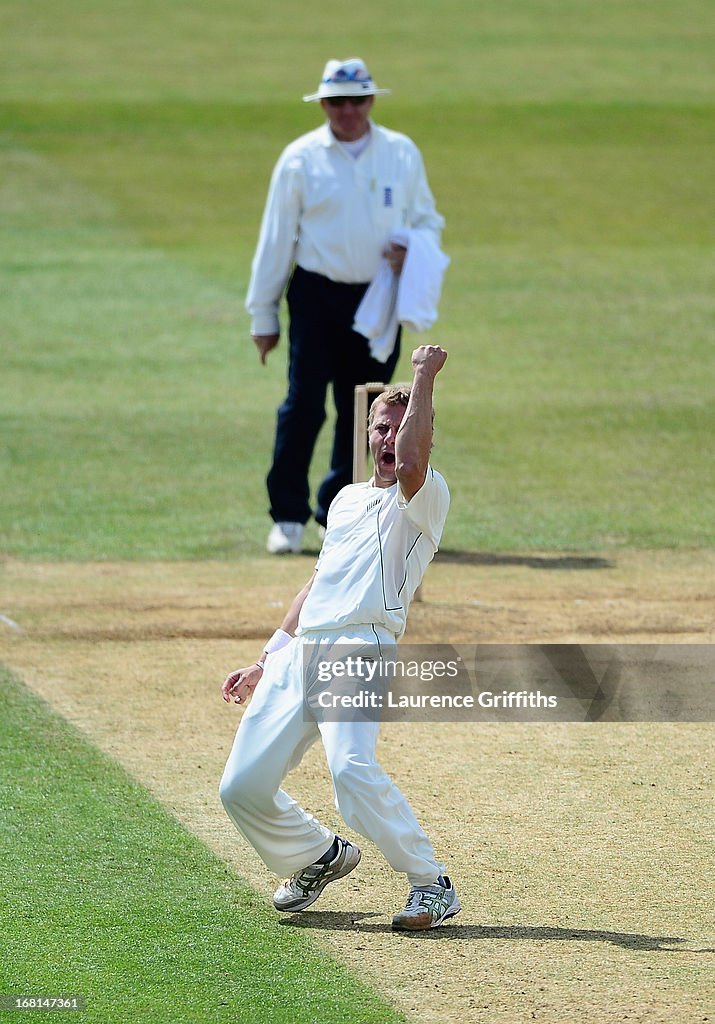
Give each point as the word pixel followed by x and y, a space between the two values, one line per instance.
pixel 336 196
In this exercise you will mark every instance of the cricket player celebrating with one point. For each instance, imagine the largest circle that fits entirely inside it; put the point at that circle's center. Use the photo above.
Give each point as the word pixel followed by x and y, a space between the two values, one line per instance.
pixel 380 538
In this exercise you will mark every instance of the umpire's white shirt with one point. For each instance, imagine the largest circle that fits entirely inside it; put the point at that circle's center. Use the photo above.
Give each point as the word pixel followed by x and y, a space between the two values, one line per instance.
pixel 333 214
pixel 376 549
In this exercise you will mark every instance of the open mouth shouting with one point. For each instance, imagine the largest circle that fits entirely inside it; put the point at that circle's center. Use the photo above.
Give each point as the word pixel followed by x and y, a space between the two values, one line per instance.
pixel 385 468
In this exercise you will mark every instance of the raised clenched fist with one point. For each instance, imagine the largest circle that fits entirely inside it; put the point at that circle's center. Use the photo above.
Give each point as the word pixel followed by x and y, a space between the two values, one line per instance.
pixel 429 358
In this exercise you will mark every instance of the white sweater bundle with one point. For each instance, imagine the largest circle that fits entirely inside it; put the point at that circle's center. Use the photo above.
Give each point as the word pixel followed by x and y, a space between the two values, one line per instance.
pixel 410 298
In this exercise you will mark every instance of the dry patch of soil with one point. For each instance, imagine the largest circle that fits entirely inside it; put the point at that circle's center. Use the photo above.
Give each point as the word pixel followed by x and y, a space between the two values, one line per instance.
pixel 581 852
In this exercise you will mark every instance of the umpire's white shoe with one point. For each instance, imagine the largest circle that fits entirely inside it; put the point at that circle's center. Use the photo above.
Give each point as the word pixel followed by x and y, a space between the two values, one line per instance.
pixel 428 906
pixel 285 539
pixel 302 890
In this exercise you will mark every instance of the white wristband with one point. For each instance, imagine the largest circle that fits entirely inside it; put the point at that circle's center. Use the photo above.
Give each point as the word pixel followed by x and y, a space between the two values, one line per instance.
pixel 279 639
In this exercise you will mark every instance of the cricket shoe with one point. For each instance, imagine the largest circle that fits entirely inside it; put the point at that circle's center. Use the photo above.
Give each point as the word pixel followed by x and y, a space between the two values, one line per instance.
pixel 304 887
pixel 285 539
pixel 428 906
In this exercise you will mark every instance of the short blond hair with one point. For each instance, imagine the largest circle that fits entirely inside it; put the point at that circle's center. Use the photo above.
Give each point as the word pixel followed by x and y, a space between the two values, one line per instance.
pixel 395 394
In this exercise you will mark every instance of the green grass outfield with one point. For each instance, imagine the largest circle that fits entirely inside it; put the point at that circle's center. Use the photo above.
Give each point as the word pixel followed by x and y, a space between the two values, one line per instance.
pixel 570 146
pixel 105 897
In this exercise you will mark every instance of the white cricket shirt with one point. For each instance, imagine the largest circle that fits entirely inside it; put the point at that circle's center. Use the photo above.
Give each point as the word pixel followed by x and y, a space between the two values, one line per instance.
pixel 376 549
pixel 333 214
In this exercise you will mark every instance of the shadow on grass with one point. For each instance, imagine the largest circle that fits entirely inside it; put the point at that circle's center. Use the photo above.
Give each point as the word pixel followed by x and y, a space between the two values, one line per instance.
pixel 329 920
pixel 530 561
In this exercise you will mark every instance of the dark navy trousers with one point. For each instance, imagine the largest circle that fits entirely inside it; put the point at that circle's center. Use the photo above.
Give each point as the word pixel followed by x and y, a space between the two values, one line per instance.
pixel 324 350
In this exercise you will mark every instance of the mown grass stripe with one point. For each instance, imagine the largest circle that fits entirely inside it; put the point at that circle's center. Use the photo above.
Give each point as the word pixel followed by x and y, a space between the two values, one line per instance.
pixel 570 148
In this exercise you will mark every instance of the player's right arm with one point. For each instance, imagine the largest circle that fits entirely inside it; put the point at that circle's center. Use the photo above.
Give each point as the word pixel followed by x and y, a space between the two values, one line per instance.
pixel 241 683
pixel 290 622
pixel 275 252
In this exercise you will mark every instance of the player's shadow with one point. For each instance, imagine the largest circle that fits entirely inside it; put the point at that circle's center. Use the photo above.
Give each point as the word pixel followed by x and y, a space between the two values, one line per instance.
pixel 332 920
pixel 455 557
pixel 530 561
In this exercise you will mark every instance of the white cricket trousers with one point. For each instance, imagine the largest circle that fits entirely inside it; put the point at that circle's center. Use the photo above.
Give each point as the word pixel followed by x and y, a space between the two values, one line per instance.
pixel 276 730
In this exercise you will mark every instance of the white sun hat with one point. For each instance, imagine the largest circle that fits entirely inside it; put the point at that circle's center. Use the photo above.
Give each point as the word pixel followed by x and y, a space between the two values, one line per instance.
pixel 346 78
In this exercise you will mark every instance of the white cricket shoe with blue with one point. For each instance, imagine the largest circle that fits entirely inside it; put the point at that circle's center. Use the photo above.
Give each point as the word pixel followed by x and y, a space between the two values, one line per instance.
pixel 428 906
pixel 303 888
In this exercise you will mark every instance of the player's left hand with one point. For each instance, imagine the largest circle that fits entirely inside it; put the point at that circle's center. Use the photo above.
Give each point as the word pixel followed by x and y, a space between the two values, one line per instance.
pixel 429 359
pixel 395 256
pixel 241 684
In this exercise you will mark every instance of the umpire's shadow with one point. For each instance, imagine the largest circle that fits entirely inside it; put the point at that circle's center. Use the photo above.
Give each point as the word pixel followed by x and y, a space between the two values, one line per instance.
pixel 333 920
